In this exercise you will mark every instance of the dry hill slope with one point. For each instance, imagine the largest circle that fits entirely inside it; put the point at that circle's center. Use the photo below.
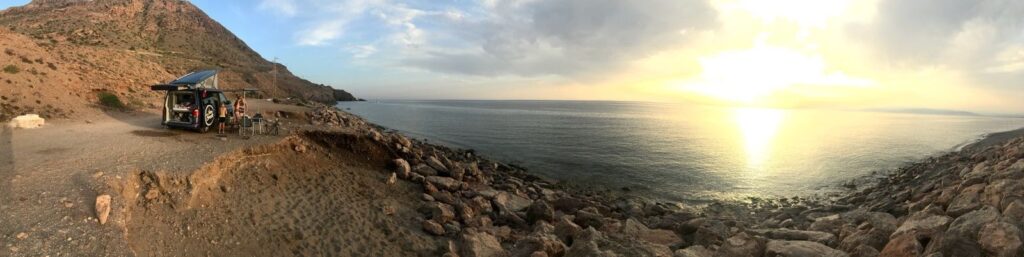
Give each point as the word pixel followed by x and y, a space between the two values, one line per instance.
pixel 63 51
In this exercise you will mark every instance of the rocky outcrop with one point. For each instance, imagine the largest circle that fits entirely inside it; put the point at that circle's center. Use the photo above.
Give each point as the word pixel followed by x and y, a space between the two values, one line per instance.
pixel 344 96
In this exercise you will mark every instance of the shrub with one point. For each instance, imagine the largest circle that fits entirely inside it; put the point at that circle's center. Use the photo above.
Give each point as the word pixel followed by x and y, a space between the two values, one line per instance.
pixel 12 69
pixel 51 65
pixel 9 51
pixel 110 100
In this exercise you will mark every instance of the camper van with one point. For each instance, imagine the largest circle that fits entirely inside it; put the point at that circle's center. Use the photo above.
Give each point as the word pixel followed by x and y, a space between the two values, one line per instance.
pixel 192 101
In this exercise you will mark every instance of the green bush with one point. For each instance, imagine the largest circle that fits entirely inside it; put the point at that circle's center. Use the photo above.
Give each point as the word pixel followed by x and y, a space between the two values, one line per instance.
pixel 12 69
pixel 110 100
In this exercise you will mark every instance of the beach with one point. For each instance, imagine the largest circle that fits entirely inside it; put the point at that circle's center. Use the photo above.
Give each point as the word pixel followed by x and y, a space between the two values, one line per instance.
pixel 335 184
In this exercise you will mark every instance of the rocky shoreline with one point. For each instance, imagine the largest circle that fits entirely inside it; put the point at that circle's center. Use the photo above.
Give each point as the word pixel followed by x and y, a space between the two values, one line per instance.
pixel 966 203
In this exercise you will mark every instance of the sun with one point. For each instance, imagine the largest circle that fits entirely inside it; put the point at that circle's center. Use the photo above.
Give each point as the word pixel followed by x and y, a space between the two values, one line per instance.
pixel 763 73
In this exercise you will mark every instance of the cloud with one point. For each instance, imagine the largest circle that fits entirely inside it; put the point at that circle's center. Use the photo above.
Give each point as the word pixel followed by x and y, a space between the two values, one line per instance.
pixel 564 38
pixel 285 8
pixel 970 34
pixel 321 33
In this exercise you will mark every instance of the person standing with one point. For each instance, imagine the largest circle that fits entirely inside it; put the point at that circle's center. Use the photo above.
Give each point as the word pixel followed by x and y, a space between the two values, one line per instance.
pixel 239 107
pixel 222 117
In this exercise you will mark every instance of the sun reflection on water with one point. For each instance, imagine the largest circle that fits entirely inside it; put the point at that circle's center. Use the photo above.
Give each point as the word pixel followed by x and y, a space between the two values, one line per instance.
pixel 758 129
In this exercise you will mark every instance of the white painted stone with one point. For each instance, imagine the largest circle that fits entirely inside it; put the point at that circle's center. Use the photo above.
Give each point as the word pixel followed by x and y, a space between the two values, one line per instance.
pixel 27 121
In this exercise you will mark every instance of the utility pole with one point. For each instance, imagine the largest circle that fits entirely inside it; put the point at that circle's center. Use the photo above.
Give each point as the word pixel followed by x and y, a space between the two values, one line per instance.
pixel 274 84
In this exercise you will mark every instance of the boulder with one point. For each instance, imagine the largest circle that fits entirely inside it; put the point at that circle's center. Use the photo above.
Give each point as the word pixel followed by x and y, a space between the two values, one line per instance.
pixel 694 251
pixel 441 212
pixel 739 245
pixel 402 168
pixel 433 227
pixel 703 231
pixel 545 243
pixel 781 248
pixel 392 179
pixel 425 170
pixel 436 164
pixel 481 205
pixel 481 244
pixel 903 245
pixel 444 197
pixel 569 204
pixel 540 211
pixel 966 201
pixel 1014 210
pixel 566 230
pixel 586 245
pixel 1001 239
pixel 27 121
pixel 507 202
pixel 802 235
pixel 445 183
pixel 923 223
pixel 958 240
pixel 103 208
pixel 864 251
pixel 634 229
pixel 588 218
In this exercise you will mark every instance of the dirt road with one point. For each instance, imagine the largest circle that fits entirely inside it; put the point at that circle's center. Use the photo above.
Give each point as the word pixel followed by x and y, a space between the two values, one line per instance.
pixel 50 177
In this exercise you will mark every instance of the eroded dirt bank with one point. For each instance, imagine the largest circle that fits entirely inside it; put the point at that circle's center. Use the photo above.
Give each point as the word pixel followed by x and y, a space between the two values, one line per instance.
pixel 307 195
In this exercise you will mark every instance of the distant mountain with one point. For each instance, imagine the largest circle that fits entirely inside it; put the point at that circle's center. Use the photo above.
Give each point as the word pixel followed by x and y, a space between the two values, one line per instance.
pixel 124 45
pixel 924 111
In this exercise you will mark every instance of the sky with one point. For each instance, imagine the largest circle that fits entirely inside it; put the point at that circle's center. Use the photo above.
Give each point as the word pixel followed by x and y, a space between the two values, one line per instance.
pixel 947 54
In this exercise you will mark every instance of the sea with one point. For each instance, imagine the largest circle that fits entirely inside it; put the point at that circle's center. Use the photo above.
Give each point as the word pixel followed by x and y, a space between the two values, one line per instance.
pixel 685 152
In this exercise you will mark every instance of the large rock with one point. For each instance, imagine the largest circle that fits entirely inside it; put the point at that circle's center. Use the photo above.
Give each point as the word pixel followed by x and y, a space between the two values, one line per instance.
pixel 27 121
pixel 1000 239
pixel 436 164
pixel 507 202
pixel 402 168
pixel 635 229
pixel 958 240
pixel 741 245
pixel 586 245
pixel 481 244
pixel 966 201
pixel 703 231
pixel 103 208
pixel 802 235
pixel 904 245
pixel 589 218
pixel 780 248
pixel 540 211
pixel 481 205
pixel 441 212
pixel 445 183
pixel 566 230
pixel 548 244
pixel 433 227
pixel 694 251
pixel 923 223
pixel 425 170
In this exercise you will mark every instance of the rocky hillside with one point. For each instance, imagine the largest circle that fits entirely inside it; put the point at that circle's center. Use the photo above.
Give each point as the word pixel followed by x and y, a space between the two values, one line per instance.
pixel 122 46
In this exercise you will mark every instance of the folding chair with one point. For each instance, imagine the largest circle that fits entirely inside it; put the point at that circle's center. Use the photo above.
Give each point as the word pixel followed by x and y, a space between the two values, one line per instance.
pixel 246 123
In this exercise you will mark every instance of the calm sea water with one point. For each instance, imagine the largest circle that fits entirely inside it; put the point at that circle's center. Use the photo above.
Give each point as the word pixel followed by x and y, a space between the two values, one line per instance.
pixel 684 152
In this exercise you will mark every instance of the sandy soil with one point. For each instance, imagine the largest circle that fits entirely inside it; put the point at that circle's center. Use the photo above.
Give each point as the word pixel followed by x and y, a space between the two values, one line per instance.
pixel 257 200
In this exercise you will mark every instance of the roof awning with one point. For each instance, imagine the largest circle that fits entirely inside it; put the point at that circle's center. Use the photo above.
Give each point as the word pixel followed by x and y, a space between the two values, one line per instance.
pixel 195 77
